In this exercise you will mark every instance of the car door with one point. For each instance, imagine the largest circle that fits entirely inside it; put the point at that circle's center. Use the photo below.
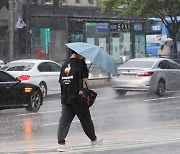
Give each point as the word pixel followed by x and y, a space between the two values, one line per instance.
pixel 168 74
pixel 55 72
pixel 3 96
pixel 10 94
pixel 176 73
pixel 50 72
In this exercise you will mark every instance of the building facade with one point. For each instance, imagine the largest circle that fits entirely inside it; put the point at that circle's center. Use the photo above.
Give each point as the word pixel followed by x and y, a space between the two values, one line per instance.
pixel 52 24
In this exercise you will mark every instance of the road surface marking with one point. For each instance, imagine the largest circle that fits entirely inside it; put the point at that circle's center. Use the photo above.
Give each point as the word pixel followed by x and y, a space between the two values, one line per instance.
pixel 104 146
pixel 161 98
pixel 145 128
pixel 56 123
pixel 39 113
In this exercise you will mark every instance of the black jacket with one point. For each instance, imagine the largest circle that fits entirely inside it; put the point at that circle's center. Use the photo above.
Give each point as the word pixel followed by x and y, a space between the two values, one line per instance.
pixel 69 79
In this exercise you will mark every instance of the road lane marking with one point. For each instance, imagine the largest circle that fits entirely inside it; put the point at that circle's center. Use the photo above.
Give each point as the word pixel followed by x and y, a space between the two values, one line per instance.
pixel 54 101
pixel 39 113
pixel 161 98
pixel 145 128
pixel 50 124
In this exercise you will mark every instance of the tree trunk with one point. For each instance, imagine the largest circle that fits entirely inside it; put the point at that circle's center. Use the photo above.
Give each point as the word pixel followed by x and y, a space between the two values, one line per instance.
pixel 175 50
pixel 173 30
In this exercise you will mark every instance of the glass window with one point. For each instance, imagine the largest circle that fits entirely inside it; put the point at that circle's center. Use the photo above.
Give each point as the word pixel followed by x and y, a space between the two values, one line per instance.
pixel 174 65
pixel 97 33
pixel 40 40
pixel 54 67
pixel 90 1
pixel 164 64
pixel 77 37
pixel 18 66
pixel 4 77
pixel 120 46
pixel 140 46
pixel 44 67
pixel 137 64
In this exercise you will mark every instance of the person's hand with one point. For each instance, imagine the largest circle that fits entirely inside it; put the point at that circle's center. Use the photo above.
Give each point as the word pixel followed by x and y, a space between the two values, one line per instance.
pixel 81 92
pixel 85 79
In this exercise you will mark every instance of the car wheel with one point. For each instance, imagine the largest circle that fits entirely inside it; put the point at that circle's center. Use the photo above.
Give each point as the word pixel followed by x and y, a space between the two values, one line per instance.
pixel 43 88
pixel 161 88
pixel 121 92
pixel 35 102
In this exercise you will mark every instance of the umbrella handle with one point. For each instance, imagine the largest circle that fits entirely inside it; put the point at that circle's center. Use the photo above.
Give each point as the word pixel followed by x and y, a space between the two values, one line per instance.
pixel 86 84
pixel 89 66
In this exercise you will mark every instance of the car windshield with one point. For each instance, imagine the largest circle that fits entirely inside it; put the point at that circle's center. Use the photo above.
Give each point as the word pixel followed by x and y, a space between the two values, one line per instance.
pixel 18 66
pixel 137 64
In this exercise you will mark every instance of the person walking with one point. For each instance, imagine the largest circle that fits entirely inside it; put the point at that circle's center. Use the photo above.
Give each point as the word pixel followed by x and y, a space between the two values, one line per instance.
pixel 72 70
pixel 164 51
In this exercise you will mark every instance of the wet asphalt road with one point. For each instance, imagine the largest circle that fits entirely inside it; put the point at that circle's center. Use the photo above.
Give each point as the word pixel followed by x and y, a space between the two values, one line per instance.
pixel 134 124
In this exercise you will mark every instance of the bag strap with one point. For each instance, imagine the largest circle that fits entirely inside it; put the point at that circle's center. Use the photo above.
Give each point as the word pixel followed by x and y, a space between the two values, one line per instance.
pixel 86 84
pixel 80 78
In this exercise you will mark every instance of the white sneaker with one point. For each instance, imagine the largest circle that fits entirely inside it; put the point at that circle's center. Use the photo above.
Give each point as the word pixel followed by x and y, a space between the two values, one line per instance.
pixel 97 141
pixel 63 148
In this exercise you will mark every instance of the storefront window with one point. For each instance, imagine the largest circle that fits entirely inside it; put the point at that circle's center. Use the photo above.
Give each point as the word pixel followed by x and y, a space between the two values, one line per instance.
pixel 97 34
pixel 140 46
pixel 77 37
pixel 120 46
pixel 40 38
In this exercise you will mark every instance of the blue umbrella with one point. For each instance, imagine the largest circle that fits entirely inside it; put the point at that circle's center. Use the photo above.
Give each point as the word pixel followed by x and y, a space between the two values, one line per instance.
pixel 95 55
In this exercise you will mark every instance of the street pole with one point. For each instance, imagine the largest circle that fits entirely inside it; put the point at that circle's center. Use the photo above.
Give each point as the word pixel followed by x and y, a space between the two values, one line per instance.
pixel 28 29
pixel 11 30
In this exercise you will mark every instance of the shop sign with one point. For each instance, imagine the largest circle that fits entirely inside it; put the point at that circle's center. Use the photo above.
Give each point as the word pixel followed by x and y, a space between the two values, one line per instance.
pixel 102 27
pixel 120 26
pixel 90 24
pixel 138 27
pixel 155 28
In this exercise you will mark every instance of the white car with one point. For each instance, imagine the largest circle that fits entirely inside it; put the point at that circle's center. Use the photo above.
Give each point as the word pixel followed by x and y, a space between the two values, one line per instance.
pixel 1 64
pixel 44 73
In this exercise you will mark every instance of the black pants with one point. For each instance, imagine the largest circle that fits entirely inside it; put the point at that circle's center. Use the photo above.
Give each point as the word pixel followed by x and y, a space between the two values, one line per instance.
pixel 67 115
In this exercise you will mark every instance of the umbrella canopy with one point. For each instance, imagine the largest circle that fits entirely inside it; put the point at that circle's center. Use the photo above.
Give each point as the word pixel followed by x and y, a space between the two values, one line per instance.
pixel 95 55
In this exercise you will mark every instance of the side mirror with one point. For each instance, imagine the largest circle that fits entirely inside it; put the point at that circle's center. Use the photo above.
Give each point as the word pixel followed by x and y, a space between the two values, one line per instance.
pixel 18 80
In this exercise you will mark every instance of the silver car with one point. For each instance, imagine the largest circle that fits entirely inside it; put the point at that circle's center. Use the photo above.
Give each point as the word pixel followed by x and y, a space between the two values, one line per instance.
pixel 147 74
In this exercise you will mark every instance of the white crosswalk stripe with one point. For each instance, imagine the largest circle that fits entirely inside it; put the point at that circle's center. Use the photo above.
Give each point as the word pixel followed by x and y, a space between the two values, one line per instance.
pixel 105 146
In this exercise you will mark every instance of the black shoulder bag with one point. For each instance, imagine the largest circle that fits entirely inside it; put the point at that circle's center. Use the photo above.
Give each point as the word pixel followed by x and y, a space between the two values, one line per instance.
pixel 89 96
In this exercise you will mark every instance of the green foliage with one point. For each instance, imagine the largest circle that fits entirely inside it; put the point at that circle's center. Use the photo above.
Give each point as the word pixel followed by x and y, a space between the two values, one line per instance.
pixel 146 9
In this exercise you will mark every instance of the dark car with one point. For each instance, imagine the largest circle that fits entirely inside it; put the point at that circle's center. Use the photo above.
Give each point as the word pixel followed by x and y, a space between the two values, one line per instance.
pixel 16 94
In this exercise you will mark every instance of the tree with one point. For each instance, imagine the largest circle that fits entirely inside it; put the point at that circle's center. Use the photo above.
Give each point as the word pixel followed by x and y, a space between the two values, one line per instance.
pixel 162 9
